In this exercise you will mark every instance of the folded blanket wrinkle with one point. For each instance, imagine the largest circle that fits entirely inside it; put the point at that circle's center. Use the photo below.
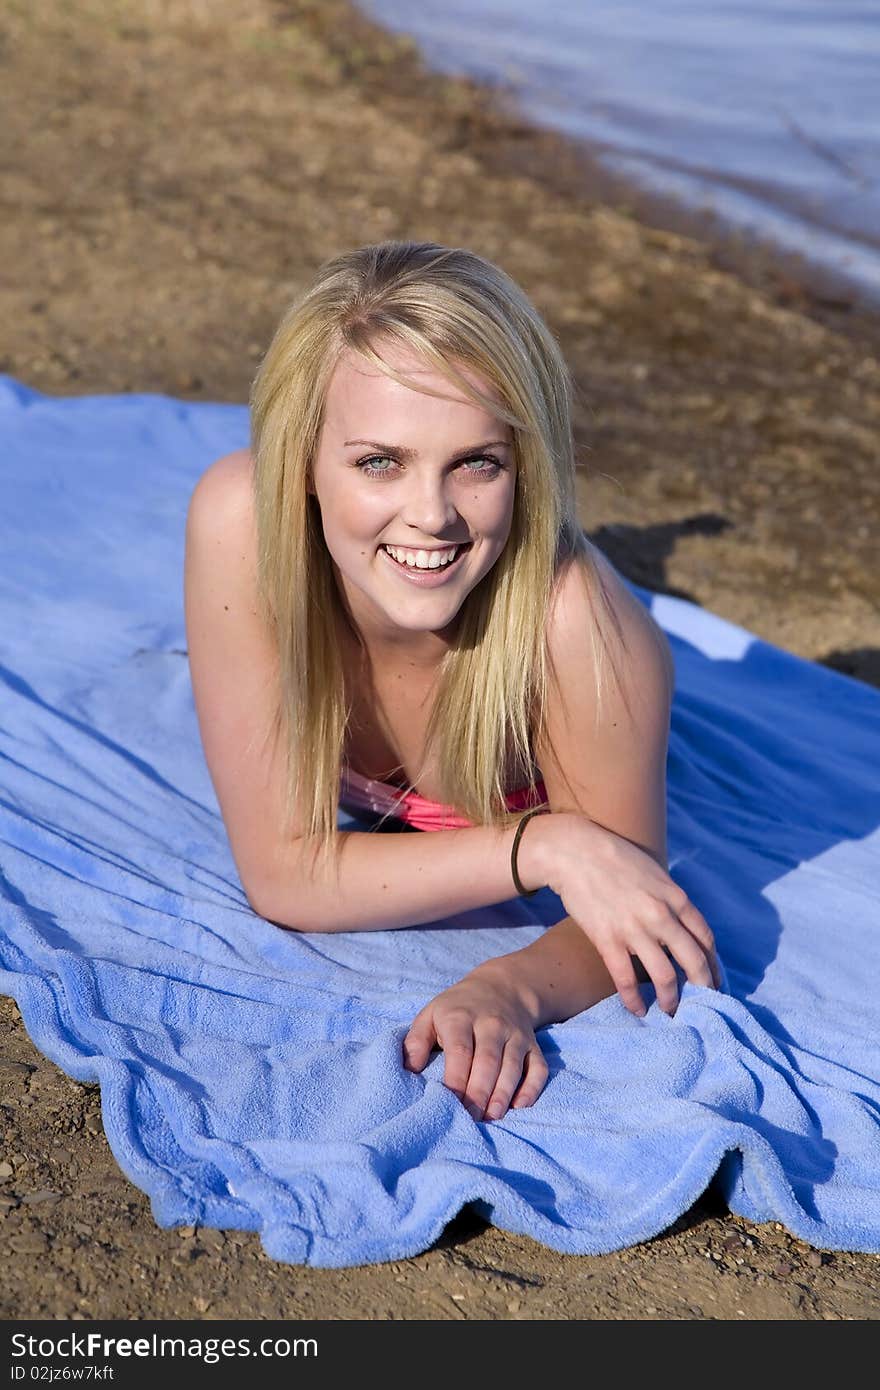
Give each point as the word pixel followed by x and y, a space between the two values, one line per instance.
pixel 251 1077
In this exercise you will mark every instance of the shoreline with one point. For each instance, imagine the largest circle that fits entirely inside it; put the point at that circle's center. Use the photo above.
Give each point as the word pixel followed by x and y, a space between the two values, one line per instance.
pixel 571 166
pixel 787 278
pixel 727 442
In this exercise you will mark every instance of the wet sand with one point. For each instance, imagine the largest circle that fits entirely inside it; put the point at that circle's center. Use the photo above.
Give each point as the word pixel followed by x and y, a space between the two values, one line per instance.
pixel 173 173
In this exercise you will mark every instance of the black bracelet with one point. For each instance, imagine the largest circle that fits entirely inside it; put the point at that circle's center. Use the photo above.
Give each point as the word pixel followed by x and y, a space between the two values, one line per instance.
pixel 536 811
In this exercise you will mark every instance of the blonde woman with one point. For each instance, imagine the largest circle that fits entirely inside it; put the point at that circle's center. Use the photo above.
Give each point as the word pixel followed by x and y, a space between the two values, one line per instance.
pixel 391 606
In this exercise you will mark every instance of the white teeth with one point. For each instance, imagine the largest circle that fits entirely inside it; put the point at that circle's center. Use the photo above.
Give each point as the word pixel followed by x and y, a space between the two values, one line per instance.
pixel 423 559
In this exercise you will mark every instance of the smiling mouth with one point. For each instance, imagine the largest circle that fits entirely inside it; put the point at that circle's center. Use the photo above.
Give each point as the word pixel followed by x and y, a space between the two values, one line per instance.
pixel 458 551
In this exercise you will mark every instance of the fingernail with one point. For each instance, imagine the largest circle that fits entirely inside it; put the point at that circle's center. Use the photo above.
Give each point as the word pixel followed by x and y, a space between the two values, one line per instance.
pixel 494 1111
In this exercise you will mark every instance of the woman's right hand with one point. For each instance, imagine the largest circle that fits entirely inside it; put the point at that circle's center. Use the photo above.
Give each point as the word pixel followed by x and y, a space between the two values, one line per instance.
pixel 627 905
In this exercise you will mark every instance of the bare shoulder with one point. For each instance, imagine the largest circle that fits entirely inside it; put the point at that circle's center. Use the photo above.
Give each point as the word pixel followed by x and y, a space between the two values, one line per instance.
pixel 602 747
pixel 221 536
pixel 224 492
pixel 233 660
pixel 640 646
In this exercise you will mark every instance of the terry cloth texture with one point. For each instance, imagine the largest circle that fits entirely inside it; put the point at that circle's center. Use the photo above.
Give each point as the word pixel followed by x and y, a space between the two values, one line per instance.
pixel 251 1077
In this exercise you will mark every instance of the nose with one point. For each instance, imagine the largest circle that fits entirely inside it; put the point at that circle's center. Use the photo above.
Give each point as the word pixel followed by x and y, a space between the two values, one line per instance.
pixel 428 508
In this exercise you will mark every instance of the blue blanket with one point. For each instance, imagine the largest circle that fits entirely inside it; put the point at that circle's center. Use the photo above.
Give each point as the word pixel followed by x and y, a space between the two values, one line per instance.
pixel 251 1077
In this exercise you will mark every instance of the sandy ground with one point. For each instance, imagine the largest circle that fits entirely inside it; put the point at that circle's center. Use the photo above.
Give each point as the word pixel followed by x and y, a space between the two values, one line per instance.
pixel 172 172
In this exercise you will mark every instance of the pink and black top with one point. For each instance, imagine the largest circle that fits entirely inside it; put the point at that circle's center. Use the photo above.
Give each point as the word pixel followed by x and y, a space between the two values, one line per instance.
pixel 367 794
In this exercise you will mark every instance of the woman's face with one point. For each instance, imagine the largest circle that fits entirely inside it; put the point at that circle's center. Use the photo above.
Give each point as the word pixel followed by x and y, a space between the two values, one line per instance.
pixel 395 467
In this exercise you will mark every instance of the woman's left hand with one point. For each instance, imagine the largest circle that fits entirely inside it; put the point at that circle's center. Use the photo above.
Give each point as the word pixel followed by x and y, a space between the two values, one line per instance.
pixel 484 1026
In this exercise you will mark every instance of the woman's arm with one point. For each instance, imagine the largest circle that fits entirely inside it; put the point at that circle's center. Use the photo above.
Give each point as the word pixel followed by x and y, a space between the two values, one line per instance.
pixel 557 976
pixel 486 1023
pixel 604 852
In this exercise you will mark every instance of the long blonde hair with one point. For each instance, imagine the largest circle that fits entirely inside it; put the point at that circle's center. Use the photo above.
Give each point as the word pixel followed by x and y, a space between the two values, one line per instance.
pixel 452 308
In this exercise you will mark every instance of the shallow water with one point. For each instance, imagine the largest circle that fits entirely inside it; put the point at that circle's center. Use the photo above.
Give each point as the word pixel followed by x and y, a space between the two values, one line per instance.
pixel 765 114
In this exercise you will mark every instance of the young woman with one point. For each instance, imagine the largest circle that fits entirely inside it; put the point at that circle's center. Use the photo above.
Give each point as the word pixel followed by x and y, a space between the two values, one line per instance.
pixel 390 604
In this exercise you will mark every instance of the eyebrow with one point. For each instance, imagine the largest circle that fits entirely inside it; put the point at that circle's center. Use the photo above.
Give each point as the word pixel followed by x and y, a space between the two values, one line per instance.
pixel 400 452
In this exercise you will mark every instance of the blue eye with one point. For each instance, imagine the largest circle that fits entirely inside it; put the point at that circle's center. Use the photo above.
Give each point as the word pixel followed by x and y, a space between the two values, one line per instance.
pixel 491 465
pixel 366 465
